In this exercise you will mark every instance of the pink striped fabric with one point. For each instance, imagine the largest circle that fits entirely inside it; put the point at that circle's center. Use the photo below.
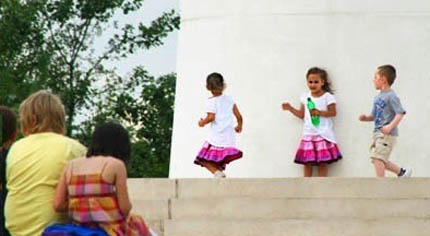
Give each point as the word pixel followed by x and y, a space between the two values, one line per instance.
pixel 219 155
pixel 316 150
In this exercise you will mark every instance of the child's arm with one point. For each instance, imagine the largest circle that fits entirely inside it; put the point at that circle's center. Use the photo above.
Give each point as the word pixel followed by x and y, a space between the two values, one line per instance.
pixel 61 195
pixel 121 187
pixel 209 118
pixel 386 129
pixel 239 119
pixel 364 117
pixel 300 113
pixel 331 111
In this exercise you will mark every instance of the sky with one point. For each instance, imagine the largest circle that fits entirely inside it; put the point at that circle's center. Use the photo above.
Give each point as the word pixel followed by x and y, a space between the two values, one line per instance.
pixel 158 61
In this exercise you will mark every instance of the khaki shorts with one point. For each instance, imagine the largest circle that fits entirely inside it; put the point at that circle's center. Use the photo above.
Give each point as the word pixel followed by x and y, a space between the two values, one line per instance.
pixel 382 146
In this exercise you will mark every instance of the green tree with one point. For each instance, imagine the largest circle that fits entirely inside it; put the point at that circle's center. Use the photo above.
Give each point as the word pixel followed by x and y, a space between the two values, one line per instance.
pixel 50 44
pixel 65 32
pixel 22 59
pixel 145 105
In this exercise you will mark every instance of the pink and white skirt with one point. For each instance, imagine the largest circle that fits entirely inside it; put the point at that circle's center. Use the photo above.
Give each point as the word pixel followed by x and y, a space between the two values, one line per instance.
pixel 316 150
pixel 218 155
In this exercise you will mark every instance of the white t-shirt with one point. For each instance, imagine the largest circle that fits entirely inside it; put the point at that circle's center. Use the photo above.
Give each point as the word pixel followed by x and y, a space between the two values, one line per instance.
pixel 221 132
pixel 325 128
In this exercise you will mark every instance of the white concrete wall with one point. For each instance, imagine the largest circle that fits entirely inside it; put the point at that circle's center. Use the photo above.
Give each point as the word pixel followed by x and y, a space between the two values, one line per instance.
pixel 264 48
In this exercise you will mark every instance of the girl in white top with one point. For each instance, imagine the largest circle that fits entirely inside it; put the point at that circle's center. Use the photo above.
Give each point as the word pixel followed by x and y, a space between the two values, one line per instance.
pixel 318 144
pixel 219 148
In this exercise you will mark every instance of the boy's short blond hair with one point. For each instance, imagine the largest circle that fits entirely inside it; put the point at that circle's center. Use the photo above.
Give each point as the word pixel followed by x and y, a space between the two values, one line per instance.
pixel 42 111
pixel 389 72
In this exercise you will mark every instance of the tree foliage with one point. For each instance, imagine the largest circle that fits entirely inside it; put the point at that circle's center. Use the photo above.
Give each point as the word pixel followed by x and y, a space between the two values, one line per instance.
pixel 147 111
pixel 49 44
pixel 22 58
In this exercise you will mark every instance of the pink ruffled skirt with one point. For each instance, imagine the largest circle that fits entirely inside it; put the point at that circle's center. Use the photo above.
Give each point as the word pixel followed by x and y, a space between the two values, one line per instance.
pixel 219 155
pixel 316 150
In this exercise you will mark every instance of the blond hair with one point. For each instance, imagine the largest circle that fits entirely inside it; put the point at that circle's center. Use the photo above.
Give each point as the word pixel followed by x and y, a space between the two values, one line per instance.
pixel 42 112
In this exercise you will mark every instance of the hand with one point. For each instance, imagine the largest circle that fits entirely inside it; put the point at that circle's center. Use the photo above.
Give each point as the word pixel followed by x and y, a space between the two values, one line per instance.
pixel 201 124
pixel 315 112
pixel 286 106
pixel 386 129
pixel 362 117
pixel 238 129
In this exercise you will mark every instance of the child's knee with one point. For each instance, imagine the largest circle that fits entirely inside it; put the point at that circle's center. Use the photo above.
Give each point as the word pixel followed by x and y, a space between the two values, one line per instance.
pixel 378 162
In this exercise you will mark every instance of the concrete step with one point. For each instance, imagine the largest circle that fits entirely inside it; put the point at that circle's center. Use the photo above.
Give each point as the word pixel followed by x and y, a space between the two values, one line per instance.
pixel 161 189
pixel 156 225
pixel 151 209
pixel 288 206
pixel 305 188
pixel 298 208
pixel 324 227
pixel 151 189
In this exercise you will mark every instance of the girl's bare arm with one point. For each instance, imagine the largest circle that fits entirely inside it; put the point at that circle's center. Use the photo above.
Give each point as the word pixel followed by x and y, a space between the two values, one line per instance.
pixel 331 111
pixel 239 118
pixel 121 187
pixel 299 113
pixel 61 194
pixel 208 119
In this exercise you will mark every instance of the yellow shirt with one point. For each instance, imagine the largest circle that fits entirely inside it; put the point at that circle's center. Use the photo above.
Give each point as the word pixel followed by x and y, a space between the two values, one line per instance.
pixel 34 167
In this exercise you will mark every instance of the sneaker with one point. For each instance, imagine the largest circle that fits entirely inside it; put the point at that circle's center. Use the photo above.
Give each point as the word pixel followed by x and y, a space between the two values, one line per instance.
pixel 219 174
pixel 405 173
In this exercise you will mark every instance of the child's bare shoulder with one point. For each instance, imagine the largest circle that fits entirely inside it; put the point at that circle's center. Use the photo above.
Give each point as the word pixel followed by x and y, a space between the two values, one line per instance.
pixel 116 163
pixel 78 160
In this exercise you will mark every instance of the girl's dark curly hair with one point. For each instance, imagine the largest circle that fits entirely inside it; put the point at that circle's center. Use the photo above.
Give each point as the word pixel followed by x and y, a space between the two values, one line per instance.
pixel 215 81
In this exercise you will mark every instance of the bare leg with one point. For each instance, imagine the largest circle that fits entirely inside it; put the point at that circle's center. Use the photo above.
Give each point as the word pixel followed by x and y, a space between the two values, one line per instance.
pixel 379 167
pixel 322 170
pixel 212 167
pixel 392 167
pixel 308 170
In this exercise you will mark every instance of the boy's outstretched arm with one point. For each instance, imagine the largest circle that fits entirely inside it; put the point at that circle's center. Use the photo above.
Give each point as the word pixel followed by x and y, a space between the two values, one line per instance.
pixel 239 119
pixel 208 119
pixel 386 129
pixel 364 117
